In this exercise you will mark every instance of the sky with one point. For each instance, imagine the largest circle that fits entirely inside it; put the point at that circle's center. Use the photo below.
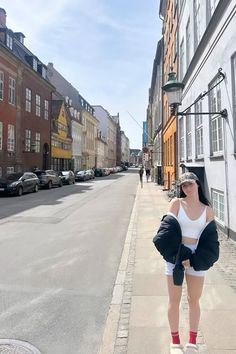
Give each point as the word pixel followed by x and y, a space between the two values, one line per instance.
pixel 104 48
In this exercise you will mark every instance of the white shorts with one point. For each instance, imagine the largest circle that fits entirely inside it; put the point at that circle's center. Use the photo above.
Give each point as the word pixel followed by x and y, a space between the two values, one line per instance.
pixel 170 266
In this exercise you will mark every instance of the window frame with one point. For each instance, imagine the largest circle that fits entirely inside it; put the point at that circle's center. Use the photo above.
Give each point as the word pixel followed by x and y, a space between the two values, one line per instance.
pixel 216 121
pixel 37 105
pixel 199 147
pixel 216 203
pixel 11 91
pixel 11 138
pixel 27 140
pixel 46 109
pixel 28 99
pixel 1 85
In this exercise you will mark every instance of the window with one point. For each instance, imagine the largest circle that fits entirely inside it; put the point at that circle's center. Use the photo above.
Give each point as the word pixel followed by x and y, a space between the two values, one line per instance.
pixel 189 136
pixel 10 170
pixel 1 85
pixel 28 97
pixel 216 123
pixel 11 138
pixel 46 109
pixel 188 43
pixel 37 109
pixel 27 139
pixel 11 91
pixel 37 142
pixel 9 41
pixel 197 23
pixel 35 64
pixel 181 61
pixel 44 72
pixel 218 205
pixel 198 130
pixel 1 134
pixel 181 136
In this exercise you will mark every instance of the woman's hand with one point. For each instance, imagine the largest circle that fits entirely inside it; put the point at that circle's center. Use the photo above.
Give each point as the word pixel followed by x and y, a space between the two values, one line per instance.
pixel 186 263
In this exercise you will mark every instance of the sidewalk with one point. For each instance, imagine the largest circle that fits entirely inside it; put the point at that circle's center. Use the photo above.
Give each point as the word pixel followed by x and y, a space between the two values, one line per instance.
pixel 140 295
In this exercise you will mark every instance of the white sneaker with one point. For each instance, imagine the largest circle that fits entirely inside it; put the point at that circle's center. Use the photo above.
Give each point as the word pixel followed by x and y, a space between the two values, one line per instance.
pixel 191 348
pixel 176 349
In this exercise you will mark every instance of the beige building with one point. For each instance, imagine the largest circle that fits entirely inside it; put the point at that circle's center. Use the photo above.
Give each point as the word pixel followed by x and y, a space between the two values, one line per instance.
pixel 89 135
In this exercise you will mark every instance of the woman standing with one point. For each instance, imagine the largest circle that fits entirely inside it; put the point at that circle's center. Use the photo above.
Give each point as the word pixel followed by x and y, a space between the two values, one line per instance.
pixel 188 241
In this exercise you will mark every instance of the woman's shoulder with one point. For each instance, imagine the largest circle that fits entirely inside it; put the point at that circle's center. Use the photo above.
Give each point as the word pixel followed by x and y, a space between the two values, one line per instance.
pixel 174 206
pixel 209 213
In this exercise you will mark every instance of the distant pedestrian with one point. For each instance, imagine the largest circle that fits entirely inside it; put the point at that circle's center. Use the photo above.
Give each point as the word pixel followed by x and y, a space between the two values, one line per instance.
pixel 188 241
pixel 141 176
pixel 148 172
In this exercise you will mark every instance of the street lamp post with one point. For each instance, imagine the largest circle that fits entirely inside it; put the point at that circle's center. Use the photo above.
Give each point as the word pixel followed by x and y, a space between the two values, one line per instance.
pixel 174 89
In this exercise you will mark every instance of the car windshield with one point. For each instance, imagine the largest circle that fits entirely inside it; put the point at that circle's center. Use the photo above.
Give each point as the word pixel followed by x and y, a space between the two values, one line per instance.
pixel 14 176
pixel 65 173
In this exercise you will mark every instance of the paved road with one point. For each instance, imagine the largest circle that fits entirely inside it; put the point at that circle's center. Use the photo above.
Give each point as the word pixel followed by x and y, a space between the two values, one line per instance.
pixel 59 255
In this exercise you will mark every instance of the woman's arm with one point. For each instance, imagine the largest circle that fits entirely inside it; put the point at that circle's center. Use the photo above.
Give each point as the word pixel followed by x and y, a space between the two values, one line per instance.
pixel 174 206
pixel 210 214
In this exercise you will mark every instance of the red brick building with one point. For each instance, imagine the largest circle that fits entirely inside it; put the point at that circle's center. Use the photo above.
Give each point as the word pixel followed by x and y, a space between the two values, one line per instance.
pixel 25 105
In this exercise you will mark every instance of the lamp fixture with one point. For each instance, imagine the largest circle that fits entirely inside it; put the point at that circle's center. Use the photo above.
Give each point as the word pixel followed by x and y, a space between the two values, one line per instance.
pixel 174 89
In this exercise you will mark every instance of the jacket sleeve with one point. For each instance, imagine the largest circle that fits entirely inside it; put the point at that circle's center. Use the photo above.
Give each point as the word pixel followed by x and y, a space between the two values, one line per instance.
pixel 167 239
pixel 207 252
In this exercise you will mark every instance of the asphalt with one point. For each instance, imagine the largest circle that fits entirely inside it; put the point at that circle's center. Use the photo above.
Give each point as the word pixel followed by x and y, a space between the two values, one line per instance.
pixel 137 320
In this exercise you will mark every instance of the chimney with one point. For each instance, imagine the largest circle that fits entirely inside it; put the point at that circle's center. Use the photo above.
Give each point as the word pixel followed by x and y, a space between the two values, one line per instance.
pixel 3 17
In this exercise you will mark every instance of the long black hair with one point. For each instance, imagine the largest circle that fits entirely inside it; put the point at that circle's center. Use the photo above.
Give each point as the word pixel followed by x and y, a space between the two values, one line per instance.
pixel 203 199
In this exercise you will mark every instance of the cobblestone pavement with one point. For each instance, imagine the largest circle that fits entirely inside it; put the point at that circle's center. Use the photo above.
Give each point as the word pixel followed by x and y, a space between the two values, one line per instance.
pixel 227 262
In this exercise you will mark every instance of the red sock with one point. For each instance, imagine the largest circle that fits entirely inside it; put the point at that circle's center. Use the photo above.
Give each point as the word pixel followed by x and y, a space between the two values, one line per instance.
pixel 175 337
pixel 192 337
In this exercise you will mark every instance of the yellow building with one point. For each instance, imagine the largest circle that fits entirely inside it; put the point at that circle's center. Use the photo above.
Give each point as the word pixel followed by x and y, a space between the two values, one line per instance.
pixel 61 141
pixel 168 11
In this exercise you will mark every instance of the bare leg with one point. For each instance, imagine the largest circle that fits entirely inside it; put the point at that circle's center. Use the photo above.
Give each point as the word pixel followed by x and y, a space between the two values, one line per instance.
pixel 194 286
pixel 175 293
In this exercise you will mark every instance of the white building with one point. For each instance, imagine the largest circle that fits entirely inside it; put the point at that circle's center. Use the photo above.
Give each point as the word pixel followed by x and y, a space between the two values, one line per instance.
pixel 107 126
pixel 207 143
pixel 125 150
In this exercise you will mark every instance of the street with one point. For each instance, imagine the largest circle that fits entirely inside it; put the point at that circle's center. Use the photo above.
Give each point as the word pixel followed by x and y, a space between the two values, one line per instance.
pixel 59 256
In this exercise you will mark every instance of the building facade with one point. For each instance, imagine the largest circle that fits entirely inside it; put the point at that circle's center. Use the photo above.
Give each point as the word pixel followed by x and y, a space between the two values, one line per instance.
pixel 207 143
pixel 169 13
pixel 25 105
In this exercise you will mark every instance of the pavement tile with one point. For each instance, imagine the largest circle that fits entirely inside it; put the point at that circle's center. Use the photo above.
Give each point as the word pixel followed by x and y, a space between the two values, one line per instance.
pixel 149 311
pixel 150 266
pixel 149 284
pixel 148 340
pixel 219 328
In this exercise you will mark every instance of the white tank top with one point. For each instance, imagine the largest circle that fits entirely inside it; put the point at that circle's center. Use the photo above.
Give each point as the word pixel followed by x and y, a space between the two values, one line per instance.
pixel 191 228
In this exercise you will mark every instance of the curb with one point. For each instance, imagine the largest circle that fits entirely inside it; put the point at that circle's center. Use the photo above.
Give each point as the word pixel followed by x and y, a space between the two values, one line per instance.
pixel 115 335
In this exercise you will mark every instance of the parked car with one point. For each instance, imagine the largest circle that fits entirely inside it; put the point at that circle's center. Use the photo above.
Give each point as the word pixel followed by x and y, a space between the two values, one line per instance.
pixel 90 173
pixel 81 175
pixel 99 172
pixel 68 177
pixel 49 178
pixel 19 183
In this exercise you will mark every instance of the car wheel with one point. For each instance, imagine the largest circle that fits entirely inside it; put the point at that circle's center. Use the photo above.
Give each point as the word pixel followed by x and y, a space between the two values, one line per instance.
pixel 20 191
pixel 36 188
pixel 49 184
pixel 60 183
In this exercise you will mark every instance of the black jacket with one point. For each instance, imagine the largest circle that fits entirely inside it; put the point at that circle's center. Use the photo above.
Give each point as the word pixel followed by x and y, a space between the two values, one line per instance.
pixel 168 240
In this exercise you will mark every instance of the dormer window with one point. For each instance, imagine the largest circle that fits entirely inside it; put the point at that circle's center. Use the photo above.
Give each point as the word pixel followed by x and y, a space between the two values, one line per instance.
pixel 35 64
pixel 44 72
pixel 9 41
